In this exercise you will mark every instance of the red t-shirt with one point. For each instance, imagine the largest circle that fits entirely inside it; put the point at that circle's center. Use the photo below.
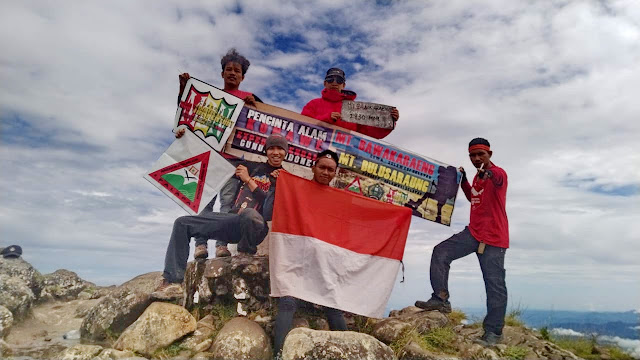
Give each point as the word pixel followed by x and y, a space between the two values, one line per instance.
pixel 488 197
pixel 239 93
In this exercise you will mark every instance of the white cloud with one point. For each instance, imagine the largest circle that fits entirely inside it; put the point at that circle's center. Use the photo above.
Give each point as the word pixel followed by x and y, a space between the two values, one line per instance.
pixel 565 332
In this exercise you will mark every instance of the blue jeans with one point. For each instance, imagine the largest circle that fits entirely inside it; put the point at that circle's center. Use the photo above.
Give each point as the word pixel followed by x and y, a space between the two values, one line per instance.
pixel 246 229
pixel 493 272
pixel 287 306
pixel 227 197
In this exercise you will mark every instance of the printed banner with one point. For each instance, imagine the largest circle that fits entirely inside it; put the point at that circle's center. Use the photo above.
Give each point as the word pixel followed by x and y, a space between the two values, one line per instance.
pixel 367 113
pixel 190 173
pixel 369 167
pixel 208 112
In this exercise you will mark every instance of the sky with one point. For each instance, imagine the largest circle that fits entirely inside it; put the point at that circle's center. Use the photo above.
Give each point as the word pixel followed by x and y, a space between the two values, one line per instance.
pixel 88 94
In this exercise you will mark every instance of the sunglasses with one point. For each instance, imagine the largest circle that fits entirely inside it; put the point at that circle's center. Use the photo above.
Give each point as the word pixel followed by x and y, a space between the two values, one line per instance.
pixel 336 79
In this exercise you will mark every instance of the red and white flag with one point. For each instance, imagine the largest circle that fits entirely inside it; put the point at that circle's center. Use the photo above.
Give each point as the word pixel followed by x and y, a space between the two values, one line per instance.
pixel 335 248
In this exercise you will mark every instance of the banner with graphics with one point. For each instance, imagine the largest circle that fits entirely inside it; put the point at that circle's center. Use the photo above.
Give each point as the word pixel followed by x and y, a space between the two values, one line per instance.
pixel 208 112
pixel 368 166
pixel 190 173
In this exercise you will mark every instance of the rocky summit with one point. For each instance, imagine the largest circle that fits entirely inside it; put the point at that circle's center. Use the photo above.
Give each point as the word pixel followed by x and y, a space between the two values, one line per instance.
pixel 225 313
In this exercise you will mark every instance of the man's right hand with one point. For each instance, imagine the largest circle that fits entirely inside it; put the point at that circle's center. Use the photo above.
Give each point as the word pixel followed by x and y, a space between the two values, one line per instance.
pixel 183 78
pixel 335 116
pixel 180 133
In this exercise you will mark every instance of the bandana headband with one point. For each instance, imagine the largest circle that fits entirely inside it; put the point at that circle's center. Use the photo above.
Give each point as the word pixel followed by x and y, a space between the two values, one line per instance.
pixel 479 147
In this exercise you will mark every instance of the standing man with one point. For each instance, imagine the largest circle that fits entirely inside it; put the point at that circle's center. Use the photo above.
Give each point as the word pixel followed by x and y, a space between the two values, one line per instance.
pixel 245 224
pixel 328 108
pixel 324 170
pixel 234 67
pixel 487 235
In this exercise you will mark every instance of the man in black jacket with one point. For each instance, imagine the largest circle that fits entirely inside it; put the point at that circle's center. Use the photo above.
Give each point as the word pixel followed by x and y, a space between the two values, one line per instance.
pixel 245 224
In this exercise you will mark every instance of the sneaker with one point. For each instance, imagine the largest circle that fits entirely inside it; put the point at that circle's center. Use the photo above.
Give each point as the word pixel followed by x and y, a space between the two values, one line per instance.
pixel 435 304
pixel 488 339
pixel 222 251
pixel 201 252
pixel 168 291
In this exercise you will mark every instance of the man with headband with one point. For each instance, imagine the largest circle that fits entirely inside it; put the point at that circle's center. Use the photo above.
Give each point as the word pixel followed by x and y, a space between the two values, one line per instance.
pixel 487 235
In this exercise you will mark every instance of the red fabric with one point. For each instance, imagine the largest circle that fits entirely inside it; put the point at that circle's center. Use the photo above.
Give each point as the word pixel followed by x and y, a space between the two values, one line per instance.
pixel 331 101
pixel 488 222
pixel 239 93
pixel 366 226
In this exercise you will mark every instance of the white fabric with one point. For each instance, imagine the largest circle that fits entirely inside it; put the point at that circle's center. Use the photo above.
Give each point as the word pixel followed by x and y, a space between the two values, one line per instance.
pixel 325 274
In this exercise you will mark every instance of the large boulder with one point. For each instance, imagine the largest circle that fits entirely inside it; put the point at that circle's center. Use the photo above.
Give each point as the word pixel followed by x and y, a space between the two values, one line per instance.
pixel 241 280
pixel 160 325
pixel 302 343
pixel 241 339
pixel 390 329
pixel 6 320
pixel 80 352
pixel 119 309
pixel 16 296
pixel 63 285
pixel 19 268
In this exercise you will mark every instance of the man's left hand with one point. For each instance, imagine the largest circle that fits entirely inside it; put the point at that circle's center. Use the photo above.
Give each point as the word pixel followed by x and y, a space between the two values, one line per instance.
pixel 275 173
pixel 250 100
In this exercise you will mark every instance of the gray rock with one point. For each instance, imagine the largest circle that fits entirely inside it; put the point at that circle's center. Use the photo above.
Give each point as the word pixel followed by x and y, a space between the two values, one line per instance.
pixel 113 354
pixel 16 296
pixel 201 339
pixel 241 339
pixel 202 356
pixel 5 350
pixel 389 329
pixel 63 285
pixel 424 321
pixel 309 344
pixel 159 326
pixel 72 335
pixel 6 320
pixel 18 268
pixel 120 308
pixel 413 351
pixel 84 308
pixel 80 352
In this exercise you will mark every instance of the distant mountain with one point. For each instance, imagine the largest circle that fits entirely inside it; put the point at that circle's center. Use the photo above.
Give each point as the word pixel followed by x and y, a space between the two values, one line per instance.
pixel 622 324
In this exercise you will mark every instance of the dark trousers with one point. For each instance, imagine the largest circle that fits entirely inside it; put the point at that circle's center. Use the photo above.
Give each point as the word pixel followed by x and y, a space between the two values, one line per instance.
pixel 491 264
pixel 287 307
pixel 246 229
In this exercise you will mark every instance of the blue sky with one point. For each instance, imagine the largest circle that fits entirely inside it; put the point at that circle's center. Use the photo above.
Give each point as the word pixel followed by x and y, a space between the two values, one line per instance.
pixel 88 91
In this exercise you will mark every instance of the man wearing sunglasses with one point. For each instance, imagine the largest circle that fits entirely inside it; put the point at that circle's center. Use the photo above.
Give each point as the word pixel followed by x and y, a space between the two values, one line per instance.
pixel 328 108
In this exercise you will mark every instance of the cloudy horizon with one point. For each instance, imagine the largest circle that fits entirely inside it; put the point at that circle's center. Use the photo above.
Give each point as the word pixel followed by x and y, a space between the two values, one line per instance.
pixel 89 91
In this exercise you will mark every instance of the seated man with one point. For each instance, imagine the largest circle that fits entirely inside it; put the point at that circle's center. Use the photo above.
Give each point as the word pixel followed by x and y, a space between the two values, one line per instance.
pixel 324 170
pixel 245 224
pixel 328 108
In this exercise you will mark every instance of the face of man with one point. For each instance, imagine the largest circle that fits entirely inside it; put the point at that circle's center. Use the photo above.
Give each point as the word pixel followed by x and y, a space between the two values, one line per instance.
pixel 334 83
pixel 275 156
pixel 324 170
pixel 232 75
pixel 479 157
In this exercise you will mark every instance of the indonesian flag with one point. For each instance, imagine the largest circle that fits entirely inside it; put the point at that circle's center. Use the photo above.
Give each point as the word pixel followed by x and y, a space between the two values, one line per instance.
pixel 335 248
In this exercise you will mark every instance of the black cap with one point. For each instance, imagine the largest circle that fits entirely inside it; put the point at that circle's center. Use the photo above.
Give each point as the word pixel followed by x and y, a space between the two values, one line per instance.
pixel 12 251
pixel 335 72
pixel 328 154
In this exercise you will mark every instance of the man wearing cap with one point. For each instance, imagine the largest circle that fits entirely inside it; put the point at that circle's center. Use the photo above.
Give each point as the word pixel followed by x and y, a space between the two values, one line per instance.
pixel 324 170
pixel 328 108
pixel 487 235
pixel 245 224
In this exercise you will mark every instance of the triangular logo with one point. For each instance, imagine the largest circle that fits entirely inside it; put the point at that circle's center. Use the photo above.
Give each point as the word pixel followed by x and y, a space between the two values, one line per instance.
pixel 185 179
pixel 355 186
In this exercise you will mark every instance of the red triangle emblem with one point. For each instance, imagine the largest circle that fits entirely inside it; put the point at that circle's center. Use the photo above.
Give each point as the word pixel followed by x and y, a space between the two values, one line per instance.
pixel 355 186
pixel 194 203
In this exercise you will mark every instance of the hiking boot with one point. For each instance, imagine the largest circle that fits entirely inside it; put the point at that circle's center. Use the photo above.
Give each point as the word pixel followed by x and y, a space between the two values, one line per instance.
pixel 222 251
pixel 201 252
pixel 435 304
pixel 168 291
pixel 488 339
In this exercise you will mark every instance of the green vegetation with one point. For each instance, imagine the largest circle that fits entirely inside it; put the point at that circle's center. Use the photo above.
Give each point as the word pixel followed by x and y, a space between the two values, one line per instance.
pixel 401 341
pixel 513 317
pixel 363 324
pixel 169 352
pixel 515 352
pixel 544 332
pixel 222 314
pixel 456 316
pixel 587 348
pixel 435 340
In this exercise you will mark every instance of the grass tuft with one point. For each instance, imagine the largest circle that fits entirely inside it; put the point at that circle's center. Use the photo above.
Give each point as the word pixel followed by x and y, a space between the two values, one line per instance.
pixel 169 352
pixel 456 316
pixel 515 352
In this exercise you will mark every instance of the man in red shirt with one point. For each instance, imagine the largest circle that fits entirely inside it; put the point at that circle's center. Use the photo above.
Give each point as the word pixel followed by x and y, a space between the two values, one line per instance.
pixel 487 235
pixel 328 108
